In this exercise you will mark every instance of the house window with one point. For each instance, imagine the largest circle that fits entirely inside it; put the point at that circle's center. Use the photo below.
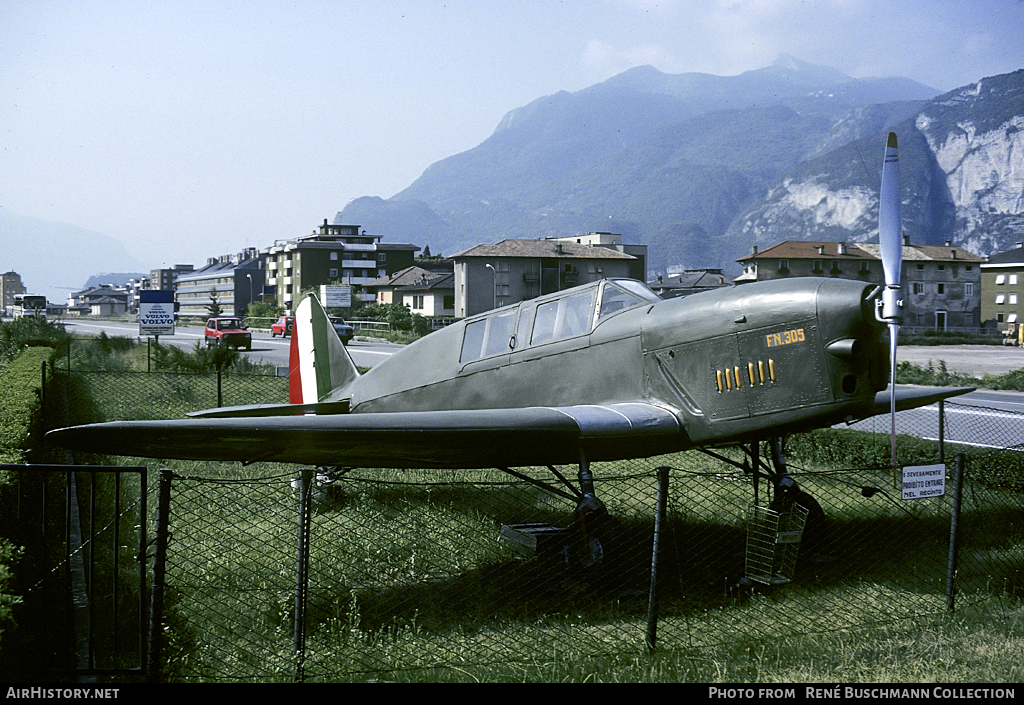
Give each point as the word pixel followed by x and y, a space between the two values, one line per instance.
pixel 1013 279
pixel 918 288
pixel 942 289
pixel 783 264
pixel 969 289
pixel 332 273
pixel 417 301
pixel 382 256
pixel 1013 299
pixel 1000 279
pixel 1001 298
pixel 334 256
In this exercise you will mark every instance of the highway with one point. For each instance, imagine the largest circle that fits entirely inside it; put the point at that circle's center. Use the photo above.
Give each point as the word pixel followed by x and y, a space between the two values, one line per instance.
pixel 267 350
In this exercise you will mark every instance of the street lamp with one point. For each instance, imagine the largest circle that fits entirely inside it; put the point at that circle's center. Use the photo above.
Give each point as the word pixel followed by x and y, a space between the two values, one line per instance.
pixel 494 286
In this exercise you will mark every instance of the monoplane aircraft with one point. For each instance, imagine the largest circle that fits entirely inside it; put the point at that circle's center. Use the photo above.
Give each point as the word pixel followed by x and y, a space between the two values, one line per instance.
pixel 602 371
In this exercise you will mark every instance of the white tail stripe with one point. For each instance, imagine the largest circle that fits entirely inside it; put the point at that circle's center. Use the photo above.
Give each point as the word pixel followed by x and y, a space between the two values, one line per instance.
pixel 303 332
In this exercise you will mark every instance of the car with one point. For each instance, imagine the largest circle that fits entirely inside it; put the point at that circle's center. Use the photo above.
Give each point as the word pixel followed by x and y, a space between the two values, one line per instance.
pixel 229 332
pixel 282 327
pixel 344 330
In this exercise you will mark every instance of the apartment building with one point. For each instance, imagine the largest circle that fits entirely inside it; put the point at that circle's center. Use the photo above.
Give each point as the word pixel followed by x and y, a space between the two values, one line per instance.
pixel 332 254
pixel 941 283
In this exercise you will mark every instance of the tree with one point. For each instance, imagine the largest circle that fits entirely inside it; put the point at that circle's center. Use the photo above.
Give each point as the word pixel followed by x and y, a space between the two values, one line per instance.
pixel 263 309
pixel 213 307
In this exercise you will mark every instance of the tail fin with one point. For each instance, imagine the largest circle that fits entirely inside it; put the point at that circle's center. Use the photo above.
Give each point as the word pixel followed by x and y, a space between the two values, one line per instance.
pixel 319 365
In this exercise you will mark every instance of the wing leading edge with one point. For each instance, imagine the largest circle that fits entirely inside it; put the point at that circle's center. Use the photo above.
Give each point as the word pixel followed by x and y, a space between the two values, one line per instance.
pixel 423 439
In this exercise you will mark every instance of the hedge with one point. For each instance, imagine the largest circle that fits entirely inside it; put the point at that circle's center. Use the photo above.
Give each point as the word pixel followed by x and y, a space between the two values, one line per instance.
pixel 993 467
pixel 20 383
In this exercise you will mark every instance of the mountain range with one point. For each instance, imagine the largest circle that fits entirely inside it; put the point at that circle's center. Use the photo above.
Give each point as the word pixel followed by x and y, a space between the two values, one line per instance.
pixel 52 257
pixel 701 168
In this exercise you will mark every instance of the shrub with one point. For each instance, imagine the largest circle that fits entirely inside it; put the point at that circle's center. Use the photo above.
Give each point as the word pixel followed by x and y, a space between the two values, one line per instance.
pixel 197 361
pixel 992 467
pixel 27 332
pixel 20 382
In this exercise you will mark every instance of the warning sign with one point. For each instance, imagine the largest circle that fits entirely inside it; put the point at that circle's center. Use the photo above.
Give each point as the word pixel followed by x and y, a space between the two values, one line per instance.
pixel 922 481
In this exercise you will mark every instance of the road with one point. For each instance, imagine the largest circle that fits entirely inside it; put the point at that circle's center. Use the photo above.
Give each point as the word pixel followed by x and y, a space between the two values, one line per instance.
pixel 267 350
pixel 975 360
pixel 987 418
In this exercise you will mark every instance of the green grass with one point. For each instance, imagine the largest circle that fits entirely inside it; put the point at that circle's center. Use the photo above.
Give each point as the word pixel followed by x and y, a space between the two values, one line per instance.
pixel 408 576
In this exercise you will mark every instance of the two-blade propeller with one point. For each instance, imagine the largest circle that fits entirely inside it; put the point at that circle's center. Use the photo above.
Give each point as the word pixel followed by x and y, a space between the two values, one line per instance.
pixel 890 240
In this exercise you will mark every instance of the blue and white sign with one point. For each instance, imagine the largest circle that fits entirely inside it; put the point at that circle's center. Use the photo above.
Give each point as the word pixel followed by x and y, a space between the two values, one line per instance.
pixel 336 295
pixel 156 312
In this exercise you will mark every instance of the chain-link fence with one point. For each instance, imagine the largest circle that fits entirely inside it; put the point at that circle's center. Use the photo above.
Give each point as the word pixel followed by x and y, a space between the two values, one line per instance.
pixel 471 569
pixel 359 574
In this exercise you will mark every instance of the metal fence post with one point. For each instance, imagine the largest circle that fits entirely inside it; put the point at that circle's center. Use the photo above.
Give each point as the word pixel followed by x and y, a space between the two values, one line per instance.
pixel 156 610
pixel 302 572
pixel 659 520
pixel 942 431
pixel 951 566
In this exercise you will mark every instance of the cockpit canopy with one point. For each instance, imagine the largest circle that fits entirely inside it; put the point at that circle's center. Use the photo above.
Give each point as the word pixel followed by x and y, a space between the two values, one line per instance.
pixel 568 314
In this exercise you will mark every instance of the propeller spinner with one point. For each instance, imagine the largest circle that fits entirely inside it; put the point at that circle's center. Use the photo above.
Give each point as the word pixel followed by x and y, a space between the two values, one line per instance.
pixel 890 239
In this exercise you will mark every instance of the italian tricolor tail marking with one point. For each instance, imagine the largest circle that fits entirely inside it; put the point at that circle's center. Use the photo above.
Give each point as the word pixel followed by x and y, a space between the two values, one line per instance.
pixel 319 364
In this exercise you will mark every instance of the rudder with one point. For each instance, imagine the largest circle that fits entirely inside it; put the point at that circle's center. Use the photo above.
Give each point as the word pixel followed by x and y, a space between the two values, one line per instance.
pixel 319 365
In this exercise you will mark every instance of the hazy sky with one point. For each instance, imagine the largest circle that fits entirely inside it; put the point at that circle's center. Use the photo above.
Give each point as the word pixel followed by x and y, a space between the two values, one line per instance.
pixel 189 129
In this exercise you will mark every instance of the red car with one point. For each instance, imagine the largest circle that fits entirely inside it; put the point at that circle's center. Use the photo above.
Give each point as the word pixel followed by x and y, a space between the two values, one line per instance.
pixel 283 327
pixel 229 332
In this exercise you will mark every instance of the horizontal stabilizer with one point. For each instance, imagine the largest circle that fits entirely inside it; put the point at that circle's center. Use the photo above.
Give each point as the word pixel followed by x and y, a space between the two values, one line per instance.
pixel 261 410
pixel 912 397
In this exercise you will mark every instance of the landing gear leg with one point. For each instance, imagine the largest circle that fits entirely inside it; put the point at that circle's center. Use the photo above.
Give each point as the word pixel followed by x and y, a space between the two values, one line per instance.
pixel 589 515
pixel 777 446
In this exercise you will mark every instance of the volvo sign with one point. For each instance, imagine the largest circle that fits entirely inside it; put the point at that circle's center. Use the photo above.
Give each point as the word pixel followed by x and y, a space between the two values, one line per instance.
pixel 156 312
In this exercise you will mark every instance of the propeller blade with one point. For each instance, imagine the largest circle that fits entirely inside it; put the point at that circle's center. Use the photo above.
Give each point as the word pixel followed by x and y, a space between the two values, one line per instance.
pixel 890 224
pixel 890 240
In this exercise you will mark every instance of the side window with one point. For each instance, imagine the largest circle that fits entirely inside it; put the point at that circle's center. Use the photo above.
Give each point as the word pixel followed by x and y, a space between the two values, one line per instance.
pixel 563 318
pixel 488 336
pixel 523 329
pixel 614 299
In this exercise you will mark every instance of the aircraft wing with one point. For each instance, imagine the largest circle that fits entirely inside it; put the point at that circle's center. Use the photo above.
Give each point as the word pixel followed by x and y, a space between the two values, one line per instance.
pixel 416 439
pixel 911 397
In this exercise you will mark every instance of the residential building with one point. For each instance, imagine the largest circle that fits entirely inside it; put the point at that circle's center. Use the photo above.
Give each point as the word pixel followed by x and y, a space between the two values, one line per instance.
pixel 1002 288
pixel 167 279
pixel 102 300
pixel 426 292
pixel 613 241
pixel 510 271
pixel 941 283
pixel 333 254
pixel 11 286
pixel 234 280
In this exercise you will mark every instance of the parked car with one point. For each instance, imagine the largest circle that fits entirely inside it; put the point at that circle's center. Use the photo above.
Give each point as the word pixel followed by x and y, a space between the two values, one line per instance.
pixel 229 332
pixel 344 330
pixel 282 327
